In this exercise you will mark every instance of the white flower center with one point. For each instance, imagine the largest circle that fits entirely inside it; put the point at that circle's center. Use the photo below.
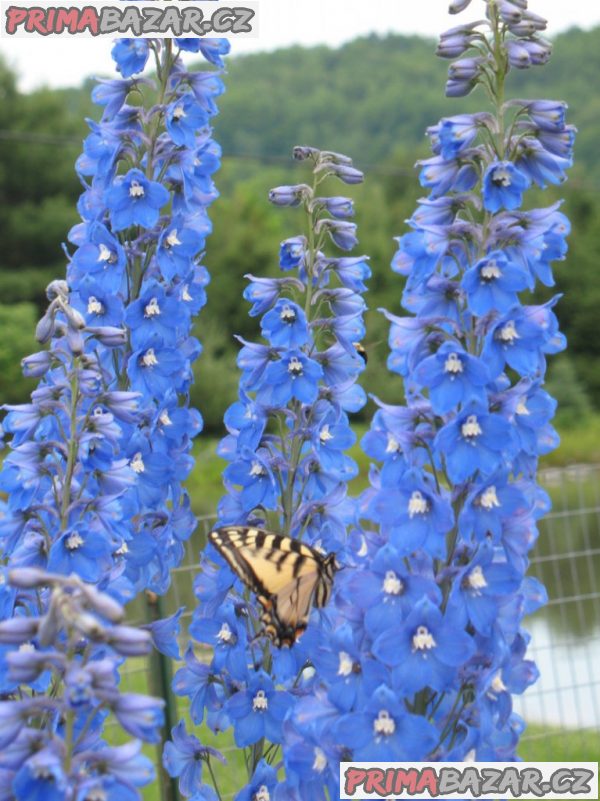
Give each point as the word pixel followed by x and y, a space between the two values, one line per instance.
pixel 470 755
pixel 392 585
pixel 490 272
pixel 164 418
pixel 423 639
pixel 257 470
pixel 149 358
pixel 94 306
pixel 295 367
pixel 185 295
pixel 104 254
pixel 179 113
pixel 489 499
pixel 262 794
pixel 123 550
pixel 136 189
pixel 288 315
pixel 172 239
pixel 325 435
pixel 152 309
pixel 74 541
pixel 453 364
pixel 137 463
pixel 476 578
pixel 260 702
pixel 27 648
pixel 471 428
pixel 501 177
pixel 384 723
pixel 417 505
pixel 508 333
pixel 393 446
pixel 320 762
pixel 498 686
pixel 346 664
pixel 522 408
pixel 225 634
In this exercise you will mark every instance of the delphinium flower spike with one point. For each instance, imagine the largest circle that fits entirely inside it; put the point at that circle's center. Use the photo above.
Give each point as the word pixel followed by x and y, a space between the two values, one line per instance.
pixel 94 479
pixel 287 474
pixel 428 646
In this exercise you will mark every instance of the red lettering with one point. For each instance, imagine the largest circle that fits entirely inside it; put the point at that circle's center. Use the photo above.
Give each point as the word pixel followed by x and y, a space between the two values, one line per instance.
pixel 428 780
pixel 66 18
pixel 88 19
pixel 354 778
pixel 375 782
pixel 35 20
pixel 405 779
pixel 14 17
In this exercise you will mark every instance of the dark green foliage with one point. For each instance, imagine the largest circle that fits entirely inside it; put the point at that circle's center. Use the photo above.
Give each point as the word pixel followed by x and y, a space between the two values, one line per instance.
pixel 372 98
pixel 17 324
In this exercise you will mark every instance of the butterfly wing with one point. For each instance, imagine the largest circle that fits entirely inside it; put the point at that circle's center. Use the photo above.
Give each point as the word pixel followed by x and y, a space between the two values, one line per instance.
pixel 286 576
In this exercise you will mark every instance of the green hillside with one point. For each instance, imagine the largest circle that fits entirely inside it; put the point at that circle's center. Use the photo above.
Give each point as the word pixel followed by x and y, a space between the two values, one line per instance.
pixel 373 99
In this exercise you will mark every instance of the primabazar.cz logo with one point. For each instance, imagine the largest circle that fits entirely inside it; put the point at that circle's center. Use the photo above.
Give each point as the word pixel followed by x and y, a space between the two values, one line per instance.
pixel 466 780
pixel 173 18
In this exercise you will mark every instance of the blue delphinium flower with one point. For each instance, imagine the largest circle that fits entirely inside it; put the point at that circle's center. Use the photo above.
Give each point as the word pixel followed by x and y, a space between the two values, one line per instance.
pixel 503 187
pixel 288 471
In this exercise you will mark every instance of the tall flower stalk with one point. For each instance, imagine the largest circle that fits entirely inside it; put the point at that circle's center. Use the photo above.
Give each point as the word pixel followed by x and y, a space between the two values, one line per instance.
pixel 428 649
pixel 97 458
pixel 288 470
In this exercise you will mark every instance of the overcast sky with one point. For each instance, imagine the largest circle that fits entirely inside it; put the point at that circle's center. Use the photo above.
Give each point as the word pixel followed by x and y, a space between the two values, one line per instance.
pixel 65 62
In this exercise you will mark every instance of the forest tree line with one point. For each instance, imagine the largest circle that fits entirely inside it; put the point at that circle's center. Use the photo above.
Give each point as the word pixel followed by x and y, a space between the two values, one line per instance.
pixel 372 98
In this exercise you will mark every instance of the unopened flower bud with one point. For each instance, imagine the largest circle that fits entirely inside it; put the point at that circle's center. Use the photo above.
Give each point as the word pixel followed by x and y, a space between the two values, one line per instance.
pixel 36 365
pixel 109 336
pixel 456 6
pixel 57 289
pixel 103 603
pixel 289 195
pixel 27 578
pixel 18 630
pixel 301 152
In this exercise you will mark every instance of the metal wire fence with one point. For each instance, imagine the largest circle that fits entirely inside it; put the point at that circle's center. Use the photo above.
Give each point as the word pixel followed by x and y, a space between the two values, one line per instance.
pixel 562 709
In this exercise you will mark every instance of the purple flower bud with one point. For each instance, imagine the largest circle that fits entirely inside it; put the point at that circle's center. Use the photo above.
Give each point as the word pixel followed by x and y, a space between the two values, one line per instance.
pixel 509 12
pixel 529 25
pixel 27 578
pixel 456 6
pixel 123 405
pixel 465 69
pixel 103 604
pixel 44 330
pixel 453 46
pixel 289 195
pixel 346 173
pixel 18 630
pixel 341 232
pixel 331 157
pixel 109 335
pixel 339 207
pixel 57 289
pixel 129 641
pixel 75 341
pixel 36 365
pixel 301 152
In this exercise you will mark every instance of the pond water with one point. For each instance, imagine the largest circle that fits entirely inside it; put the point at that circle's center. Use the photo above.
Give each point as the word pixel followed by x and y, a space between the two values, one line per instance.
pixel 566 633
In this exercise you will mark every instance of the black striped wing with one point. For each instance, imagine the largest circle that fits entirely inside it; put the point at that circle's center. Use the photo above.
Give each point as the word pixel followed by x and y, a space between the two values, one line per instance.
pixel 287 576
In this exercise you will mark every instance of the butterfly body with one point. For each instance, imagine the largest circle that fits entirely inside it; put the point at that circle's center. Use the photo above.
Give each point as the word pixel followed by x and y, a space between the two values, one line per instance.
pixel 287 576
